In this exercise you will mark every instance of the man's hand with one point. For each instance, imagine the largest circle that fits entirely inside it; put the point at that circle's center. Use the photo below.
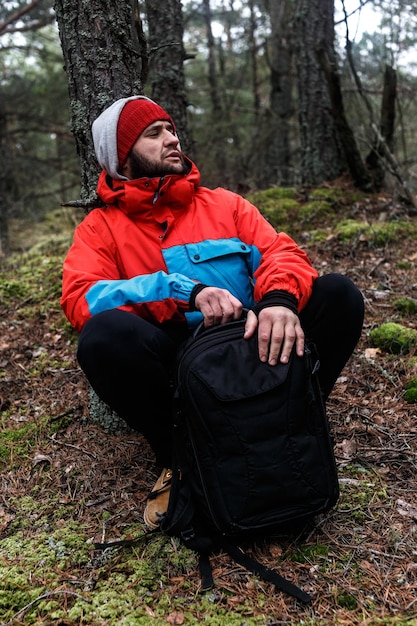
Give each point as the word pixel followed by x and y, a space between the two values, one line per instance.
pixel 278 329
pixel 218 306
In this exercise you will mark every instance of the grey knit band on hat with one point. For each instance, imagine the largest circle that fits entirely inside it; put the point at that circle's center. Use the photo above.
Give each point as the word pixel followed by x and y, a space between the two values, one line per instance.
pixel 104 130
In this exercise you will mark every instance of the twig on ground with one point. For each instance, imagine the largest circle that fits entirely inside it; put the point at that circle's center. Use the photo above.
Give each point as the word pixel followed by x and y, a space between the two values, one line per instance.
pixel 45 596
pixel 70 445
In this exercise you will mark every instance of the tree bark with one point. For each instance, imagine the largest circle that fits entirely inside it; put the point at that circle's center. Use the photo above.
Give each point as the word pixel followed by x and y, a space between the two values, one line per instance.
pixel 253 51
pixel 389 98
pixel 357 169
pixel 211 61
pixel 218 115
pixel 166 62
pixel 381 155
pixel 102 60
pixel 321 151
pixel 5 180
pixel 277 117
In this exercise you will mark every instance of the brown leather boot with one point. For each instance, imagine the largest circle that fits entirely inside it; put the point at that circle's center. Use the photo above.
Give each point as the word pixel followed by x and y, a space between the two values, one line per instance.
pixel 157 502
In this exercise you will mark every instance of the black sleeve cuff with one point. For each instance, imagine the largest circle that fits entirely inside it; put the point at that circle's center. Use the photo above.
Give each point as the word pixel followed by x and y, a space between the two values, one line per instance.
pixel 196 290
pixel 277 298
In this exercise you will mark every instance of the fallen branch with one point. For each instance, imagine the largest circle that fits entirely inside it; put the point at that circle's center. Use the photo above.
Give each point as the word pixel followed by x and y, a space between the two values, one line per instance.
pixel 70 445
pixel 45 596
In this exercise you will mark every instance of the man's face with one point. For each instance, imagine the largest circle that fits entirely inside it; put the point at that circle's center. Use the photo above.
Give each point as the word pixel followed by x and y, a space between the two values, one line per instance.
pixel 156 153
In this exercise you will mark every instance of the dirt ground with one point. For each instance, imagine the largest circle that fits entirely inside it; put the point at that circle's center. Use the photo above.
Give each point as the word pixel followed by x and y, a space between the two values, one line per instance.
pixel 359 561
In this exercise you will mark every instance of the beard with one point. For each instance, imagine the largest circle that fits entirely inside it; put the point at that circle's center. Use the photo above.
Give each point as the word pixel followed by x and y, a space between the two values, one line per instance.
pixel 142 167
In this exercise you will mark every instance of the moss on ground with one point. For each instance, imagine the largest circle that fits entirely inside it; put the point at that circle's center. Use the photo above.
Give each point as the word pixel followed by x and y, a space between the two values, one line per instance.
pixel 299 213
pixel 50 571
pixel 377 234
pixel 410 393
pixel 34 560
pixel 406 306
pixel 393 338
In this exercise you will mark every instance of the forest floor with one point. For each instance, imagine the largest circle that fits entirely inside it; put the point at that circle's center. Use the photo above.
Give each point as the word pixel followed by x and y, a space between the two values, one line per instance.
pixel 67 484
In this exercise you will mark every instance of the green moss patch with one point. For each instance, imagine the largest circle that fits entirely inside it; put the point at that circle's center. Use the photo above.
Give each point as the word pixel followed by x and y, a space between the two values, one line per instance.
pixel 393 338
pixel 410 394
pixel 279 205
pixel 406 306
pixel 377 234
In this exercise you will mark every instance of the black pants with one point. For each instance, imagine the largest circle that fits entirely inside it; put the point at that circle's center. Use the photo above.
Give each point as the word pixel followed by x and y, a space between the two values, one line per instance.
pixel 128 361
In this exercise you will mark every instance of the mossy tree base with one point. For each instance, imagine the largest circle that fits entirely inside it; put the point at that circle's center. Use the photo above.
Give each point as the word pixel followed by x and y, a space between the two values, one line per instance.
pixel 108 419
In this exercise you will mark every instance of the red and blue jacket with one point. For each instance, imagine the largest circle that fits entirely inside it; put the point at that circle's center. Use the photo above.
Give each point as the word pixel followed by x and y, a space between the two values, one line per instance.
pixel 157 238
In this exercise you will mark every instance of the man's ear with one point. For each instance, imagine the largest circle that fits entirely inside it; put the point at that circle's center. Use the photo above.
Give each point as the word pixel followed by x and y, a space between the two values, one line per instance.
pixel 126 170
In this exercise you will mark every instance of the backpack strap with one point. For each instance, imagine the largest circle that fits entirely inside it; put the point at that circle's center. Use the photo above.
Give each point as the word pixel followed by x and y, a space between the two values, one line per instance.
pixel 266 573
pixel 206 574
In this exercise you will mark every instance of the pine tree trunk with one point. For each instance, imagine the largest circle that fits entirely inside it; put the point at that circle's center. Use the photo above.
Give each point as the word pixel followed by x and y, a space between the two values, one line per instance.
pixel 101 50
pixel 322 154
pixel 381 155
pixel 101 43
pixel 218 114
pixel 166 62
pixel 253 51
pixel 276 169
pixel 357 169
pixel 215 99
pixel 5 179
pixel 389 98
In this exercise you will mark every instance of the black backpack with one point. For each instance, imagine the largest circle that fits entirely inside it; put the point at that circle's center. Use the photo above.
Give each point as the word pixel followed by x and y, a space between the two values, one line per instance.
pixel 253 453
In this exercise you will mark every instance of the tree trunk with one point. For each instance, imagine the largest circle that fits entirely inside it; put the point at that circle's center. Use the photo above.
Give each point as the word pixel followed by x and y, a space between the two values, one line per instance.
pixel 101 48
pixel 389 98
pixel 217 117
pixel 381 154
pixel 354 161
pixel 166 62
pixel 6 181
pixel 321 152
pixel 276 124
pixel 211 61
pixel 253 51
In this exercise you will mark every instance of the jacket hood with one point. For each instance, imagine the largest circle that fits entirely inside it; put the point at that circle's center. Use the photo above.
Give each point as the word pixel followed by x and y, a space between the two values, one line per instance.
pixel 147 194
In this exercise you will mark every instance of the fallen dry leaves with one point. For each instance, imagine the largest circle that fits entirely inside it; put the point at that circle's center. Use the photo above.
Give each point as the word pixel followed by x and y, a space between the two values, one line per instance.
pixel 359 562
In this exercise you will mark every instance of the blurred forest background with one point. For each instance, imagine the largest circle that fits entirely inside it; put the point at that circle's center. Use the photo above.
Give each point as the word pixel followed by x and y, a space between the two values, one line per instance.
pixel 264 93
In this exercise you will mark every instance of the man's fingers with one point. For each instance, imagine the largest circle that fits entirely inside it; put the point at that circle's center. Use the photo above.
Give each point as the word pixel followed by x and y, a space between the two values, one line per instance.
pixel 279 329
pixel 265 344
pixel 218 306
pixel 250 325
pixel 286 349
pixel 300 342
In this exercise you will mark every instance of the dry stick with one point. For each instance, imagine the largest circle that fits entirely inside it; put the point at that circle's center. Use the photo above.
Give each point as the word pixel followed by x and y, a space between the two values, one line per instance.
pixel 70 445
pixel 17 15
pixel 44 597
pixel 87 205
pixel 384 153
pixel 382 371
pixel 392 166
pixel 65 413
pixel 375 267
pixel 110 519
pixel 402 451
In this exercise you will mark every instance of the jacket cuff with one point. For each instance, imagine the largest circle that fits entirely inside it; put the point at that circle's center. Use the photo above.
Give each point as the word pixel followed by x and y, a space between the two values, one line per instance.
pixel 194 293
pixel 277 297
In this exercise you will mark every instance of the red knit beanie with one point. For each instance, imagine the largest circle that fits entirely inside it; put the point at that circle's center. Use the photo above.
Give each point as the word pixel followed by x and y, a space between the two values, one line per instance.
pixel 135 116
